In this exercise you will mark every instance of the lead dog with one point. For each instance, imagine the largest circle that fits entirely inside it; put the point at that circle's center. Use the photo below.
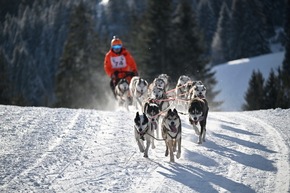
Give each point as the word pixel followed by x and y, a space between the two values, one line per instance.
pixel 198 111
pixel 151 109
pixel 122 93
pixel 143 132
pixel 171 133
pixel 138 90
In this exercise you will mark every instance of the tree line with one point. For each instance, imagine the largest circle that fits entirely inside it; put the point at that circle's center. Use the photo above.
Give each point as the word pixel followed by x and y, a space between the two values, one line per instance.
pixel 51 52
pixel 275 91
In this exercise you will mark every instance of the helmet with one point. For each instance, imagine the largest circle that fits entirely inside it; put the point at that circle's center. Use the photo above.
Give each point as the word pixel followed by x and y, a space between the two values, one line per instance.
pixel 116 41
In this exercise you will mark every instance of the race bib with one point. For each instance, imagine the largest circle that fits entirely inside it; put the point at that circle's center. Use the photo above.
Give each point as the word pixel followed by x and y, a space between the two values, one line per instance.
pixel 118 62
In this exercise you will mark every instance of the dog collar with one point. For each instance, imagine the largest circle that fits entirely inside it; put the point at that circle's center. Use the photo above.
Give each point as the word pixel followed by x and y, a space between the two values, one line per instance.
pixel 141 133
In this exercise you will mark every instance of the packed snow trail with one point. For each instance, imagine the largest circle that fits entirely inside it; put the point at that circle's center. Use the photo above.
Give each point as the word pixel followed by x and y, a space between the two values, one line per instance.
pixel 66 150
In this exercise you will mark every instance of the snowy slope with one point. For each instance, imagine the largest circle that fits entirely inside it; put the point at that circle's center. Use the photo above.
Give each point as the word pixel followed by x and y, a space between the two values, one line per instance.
pixel 233 78
pixel 66 150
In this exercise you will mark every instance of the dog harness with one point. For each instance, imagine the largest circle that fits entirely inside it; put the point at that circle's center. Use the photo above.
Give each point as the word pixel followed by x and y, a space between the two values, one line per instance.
pixel 142 133
pixel 173 137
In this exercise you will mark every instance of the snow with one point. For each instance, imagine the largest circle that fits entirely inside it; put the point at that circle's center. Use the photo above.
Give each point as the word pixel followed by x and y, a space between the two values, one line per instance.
pixel 233 78
pixel 78 150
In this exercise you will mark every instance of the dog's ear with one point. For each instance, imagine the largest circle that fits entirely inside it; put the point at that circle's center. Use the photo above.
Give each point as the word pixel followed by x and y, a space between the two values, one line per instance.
pixel 169 111
pixel 175 111
pixel 137 118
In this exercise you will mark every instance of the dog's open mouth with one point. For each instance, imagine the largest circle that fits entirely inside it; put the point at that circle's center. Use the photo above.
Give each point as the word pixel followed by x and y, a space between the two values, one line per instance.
pixel 173 128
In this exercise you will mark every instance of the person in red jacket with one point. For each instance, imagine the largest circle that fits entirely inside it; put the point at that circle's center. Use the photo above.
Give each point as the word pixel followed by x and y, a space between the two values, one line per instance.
pixel 119 63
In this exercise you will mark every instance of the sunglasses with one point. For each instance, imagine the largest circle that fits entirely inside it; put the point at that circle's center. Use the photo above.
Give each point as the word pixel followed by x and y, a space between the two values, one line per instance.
pixel 117 46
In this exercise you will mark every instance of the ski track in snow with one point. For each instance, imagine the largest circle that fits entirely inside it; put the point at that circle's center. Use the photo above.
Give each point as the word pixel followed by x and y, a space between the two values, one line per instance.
pixel 66 150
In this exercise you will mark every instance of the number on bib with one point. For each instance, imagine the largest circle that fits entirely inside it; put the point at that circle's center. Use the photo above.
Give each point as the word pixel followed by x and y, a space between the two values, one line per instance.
pixel 118 62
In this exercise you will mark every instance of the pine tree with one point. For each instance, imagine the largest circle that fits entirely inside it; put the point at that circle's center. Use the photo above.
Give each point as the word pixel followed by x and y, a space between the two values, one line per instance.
pixel 187 50
pixel 255 94
pixel 285 71
pixel 207 23
pixel 155 39
pixel 271 91
pixel 75 83
pixel 4 80
pixel 220 44
pixel 248 38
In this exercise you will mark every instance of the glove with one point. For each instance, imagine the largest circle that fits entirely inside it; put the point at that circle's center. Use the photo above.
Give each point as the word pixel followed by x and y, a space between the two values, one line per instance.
pixel 114 75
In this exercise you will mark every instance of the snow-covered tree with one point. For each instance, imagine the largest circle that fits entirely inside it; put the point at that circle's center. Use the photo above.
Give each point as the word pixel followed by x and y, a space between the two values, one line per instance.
pixel 247 35
pixel 76 80
pixel 220 43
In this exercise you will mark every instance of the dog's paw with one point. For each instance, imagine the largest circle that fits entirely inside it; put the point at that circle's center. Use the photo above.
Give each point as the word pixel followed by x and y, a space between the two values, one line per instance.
pixel 145 155
pixel 178 155
pixel 166 153
pixel 153 146
pixel 199 142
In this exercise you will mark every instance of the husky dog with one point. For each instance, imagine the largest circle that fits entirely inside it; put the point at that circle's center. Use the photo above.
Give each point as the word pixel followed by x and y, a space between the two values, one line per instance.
pixel 165 77
pixel 198 110
pixel 138 90
pixel 171 133
pixel 157 82
pixel 181 87
pixel 160 98
pixel 151 109
pixel 197 90
pixel 181 91
pixel 143 132
pixel 122 93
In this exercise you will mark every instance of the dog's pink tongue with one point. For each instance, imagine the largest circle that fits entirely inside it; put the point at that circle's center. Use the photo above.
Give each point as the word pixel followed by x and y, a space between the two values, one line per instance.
pixel 173 128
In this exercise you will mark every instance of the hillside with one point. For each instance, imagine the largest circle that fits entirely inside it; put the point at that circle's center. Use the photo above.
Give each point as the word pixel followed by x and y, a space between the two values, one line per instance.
pixel 233 78
pixel 68 150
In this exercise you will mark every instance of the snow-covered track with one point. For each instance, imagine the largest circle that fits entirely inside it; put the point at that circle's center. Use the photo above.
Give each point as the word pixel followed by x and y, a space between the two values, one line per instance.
pixel 66 150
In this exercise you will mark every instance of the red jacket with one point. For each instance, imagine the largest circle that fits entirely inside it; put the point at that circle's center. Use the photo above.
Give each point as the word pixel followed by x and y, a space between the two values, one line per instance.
pixel 121 62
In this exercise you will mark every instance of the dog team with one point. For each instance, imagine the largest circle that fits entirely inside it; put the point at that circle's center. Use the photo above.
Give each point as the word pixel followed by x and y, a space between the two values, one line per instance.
pixel 157 110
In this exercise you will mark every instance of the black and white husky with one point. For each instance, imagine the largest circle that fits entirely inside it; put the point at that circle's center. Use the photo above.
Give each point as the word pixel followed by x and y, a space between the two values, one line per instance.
pixel 171 133
pixel 151 109
pixel 198 111
pixel 138 90
pixel 122 93
pixel 143 132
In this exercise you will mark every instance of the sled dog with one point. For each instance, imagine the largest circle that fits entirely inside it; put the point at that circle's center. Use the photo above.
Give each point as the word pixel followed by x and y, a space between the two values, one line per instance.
pixel 160 98
pixel 181 87
pixel 138 90
pixel 165 77
pixel 197 111
pixel 197 90
pixel 122 93
pixel 152 112
pixel 171 133
pixel 181 92
pixel 157 82
pixel 143 132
